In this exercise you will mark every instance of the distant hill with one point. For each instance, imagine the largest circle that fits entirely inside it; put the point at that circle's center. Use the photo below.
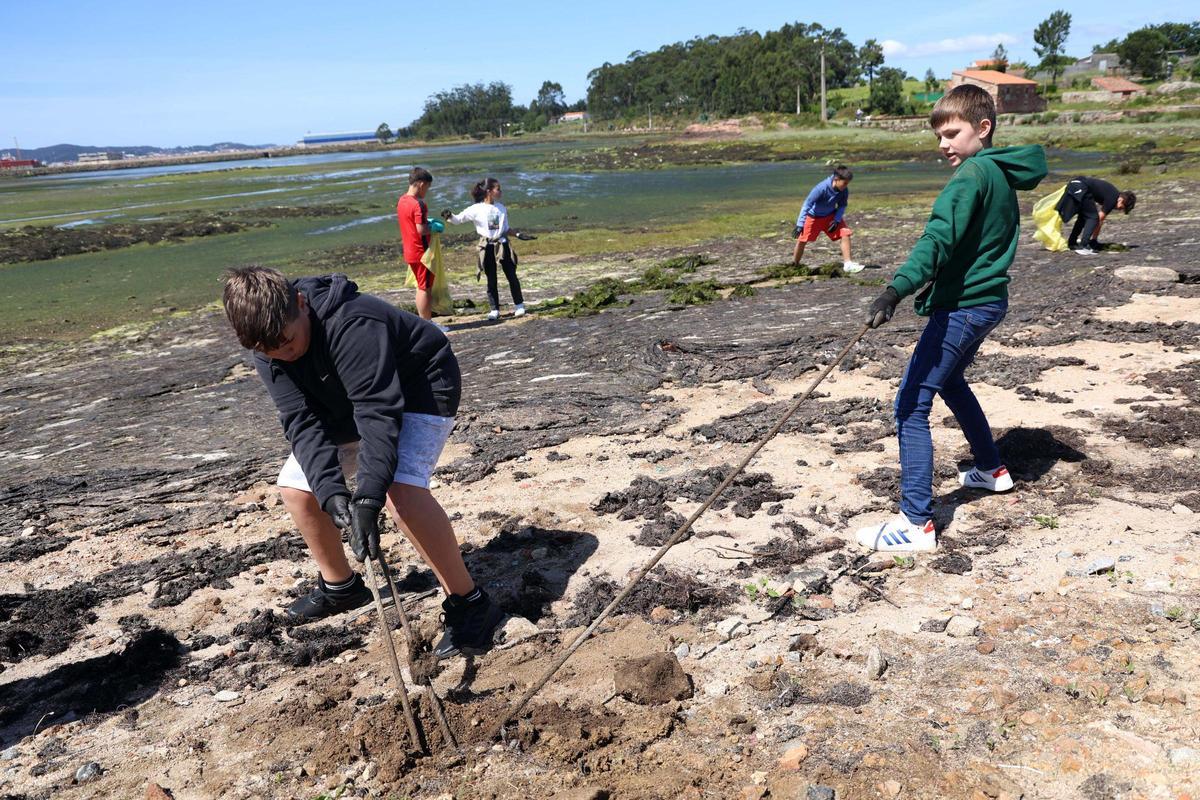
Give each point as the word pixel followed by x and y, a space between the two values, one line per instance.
pixel 70 152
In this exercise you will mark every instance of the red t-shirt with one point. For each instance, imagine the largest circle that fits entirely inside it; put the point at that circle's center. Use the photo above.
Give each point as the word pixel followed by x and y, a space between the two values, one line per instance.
pixel 410 211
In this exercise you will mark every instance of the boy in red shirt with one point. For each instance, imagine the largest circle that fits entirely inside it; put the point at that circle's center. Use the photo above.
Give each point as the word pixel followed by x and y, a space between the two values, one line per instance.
pixel 414 236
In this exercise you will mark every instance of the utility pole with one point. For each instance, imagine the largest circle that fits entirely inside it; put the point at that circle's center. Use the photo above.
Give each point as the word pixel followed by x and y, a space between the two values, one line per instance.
pixel 650 115
pixel 824 116
pixel 797 98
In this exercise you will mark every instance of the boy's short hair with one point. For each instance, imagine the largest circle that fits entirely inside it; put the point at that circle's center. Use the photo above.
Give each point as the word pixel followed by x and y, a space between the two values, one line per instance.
pixel 842 172
pixel 259 303
pixel 967 102
pixel 419 175
pixel 1130 199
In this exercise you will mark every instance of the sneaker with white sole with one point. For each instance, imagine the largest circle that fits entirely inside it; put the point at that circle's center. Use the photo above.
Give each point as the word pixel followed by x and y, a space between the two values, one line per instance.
pixel 898 535
pixel 494 314
pixel 1084 251
pixel 998 480
pixel 441 327
pixel 519 311
pixel 851 267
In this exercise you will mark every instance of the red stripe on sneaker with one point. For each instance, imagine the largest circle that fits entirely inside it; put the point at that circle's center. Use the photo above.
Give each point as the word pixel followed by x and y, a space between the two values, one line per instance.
pixel 999 472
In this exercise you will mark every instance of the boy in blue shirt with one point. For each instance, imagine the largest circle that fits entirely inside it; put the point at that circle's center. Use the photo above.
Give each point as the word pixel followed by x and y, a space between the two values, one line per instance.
pixel 822 213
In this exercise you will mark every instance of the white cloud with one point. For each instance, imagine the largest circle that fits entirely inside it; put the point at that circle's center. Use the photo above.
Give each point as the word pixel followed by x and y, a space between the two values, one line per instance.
pixel 974 42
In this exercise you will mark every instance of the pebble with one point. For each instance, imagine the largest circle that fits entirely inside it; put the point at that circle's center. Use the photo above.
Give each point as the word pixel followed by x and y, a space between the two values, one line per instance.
pixel 732 627
pixel 960 626
pixel 1184 757
pixel 226 696
pixel 1146 274
pixel 88 772
pixel 967 604
pixel 793 757
pixel 10 753
pixel 681 652
pixel 820 793
pixel 1183 452
pixel 516 629
pixel 937 625
pixel 716 688
pixel 1100 565
pixel 877 664
pixel 1181 509
pixel 808 629
pixel 985 647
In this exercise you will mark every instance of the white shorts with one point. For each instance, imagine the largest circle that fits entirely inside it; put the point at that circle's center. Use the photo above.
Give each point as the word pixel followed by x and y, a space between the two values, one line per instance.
pixel 422 437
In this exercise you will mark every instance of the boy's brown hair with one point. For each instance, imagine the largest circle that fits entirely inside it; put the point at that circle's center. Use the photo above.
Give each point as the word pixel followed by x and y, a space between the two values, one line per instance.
pixel 259 303
pixel 966 102
pixel 419 175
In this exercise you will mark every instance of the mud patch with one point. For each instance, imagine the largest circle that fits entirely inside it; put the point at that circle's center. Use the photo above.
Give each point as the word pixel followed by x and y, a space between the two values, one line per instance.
pixel 662 587
pixel 298 645
pixel 652 680
pixel 646 496
pixel 42 243
pixel 1157 426
pixel 952 564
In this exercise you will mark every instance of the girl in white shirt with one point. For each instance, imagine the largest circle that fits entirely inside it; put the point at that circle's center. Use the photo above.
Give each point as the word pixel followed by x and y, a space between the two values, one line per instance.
pixel 490 218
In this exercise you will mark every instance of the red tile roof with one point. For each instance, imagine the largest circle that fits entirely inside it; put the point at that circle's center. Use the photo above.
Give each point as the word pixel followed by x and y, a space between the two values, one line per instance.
pixel 992 76
pixel 1117 85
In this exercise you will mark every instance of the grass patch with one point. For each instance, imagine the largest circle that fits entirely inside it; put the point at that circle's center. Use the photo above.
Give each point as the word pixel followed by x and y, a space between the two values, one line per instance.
pixel 690 294
pixel 789 270
pixel 604 293
pixel 743 290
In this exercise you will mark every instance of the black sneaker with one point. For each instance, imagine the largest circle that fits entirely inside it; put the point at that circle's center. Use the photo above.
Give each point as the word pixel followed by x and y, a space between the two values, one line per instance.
pixel 470 625
pixel 324 602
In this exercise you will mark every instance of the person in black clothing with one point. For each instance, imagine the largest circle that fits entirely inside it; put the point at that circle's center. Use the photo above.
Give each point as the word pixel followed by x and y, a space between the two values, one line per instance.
pixel 363 386
pixel 1091 200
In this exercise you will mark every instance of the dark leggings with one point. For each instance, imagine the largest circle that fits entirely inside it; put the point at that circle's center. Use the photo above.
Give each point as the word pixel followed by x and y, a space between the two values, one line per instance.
pixel 1078 202
pixel 510 274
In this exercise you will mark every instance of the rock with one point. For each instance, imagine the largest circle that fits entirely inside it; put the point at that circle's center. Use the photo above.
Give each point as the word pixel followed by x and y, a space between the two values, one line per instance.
pixel 1175 87
pixel 1175 695
pixel 803 641
pixel 661 614
pixel 961 627
pixel 810 581
pixel 890 788
pixel 967 604
pixel 986 647
pixel 10 753
pixel 1184 757
pixel 652 680
pixel 1146 274
pixel 793 757
pixel 877 664
pixel 1180 508
pixel 682 651
pixel 1183 453
pixel 88 772
pixel 820 793
pixel 156 792
pixel 716 688
pixel 1100 565
pixel 809 629
pixel 732 628
pixel 226 696
pixel 822 601
pixel 517 629
pixel 937 625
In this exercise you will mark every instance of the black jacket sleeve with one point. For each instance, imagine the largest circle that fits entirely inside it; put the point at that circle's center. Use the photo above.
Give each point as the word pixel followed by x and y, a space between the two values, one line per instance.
pixel 365 359
pixel 311 443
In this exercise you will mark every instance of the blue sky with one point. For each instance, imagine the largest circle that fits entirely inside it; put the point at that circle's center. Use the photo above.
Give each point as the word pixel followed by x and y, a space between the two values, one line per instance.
pixel 131 72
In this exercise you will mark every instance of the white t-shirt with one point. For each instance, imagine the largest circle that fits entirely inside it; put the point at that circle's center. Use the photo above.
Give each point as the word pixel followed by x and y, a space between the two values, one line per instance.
pixel 490 219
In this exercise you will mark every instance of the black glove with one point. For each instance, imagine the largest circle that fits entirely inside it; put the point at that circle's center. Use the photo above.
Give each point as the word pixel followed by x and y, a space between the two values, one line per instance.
pixel 796 231
pixel 883 307
pixel 447 213
pixel 524 237
pixel 364 529
pixel 338 508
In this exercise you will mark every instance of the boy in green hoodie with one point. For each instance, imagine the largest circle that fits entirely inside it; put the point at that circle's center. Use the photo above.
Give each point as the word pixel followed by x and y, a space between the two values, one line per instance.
pixel 962 260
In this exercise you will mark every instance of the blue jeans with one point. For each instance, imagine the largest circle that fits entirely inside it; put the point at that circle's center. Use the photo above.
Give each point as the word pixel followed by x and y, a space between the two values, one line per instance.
pixel 946 348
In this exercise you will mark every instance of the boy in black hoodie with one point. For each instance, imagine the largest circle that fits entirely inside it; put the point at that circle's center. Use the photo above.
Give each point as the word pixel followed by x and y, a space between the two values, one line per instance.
pixel 359 384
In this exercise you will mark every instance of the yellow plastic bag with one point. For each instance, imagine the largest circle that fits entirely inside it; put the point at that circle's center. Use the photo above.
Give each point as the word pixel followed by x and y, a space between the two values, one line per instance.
pixel 1048 223
pixel 439 294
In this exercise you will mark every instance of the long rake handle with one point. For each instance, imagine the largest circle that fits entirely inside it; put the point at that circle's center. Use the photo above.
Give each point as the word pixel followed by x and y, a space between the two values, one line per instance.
pixel 409 720
pixel 434 700
pixel 674 540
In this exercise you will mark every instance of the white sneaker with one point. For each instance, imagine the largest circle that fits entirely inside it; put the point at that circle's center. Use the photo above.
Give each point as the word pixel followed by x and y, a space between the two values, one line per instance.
pixel 519 311
pixel 898 535
pixel 851 267
pixel 1084 251
pixel 996 481
pixel 442 327
pixel 494 314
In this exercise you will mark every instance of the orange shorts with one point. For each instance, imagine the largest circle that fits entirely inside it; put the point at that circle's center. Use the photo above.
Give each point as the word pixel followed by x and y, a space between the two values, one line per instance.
pixel 423 275
pixel 815 226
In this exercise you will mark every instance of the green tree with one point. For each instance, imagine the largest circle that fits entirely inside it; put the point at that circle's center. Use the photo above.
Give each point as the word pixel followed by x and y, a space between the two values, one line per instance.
pixel 887 93
pixel 1144 52
pixel 931 80
pixel 870 58
pixel 550 99
pixel 467 109
pixel 1051 37
pixel 1183 36
pixel 1000 57
pixel 383 133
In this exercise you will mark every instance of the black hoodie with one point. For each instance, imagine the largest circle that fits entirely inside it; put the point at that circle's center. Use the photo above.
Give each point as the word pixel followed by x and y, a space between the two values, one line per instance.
pixel 367 362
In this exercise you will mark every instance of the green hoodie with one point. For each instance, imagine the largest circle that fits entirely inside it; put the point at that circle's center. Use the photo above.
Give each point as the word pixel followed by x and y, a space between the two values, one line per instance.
pixel 971 236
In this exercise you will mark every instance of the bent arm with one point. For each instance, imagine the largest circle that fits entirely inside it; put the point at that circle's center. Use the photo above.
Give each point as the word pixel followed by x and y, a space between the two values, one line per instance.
pixel 951 216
